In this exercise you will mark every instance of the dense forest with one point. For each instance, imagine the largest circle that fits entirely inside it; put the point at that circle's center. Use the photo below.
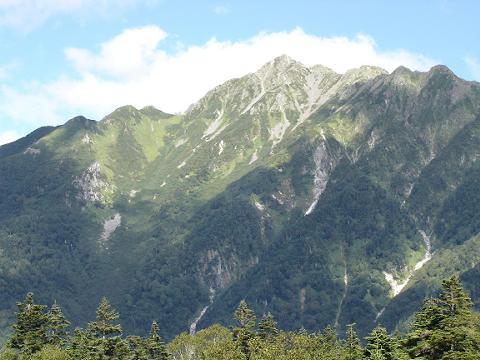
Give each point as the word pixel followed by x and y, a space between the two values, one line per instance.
pixel 445 327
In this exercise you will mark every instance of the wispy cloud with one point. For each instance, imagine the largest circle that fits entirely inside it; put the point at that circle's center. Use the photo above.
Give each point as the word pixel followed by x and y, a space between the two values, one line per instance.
pixel 221 9
pixel 25 15
pixel 474 67
pixel 132 68
pixel 7 69
pixel 8 137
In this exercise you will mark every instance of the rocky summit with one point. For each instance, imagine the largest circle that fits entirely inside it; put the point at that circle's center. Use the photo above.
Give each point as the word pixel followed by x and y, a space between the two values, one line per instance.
pixel 323 198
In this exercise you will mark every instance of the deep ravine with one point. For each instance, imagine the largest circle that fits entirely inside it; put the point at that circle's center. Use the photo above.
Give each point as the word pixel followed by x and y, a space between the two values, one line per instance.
pixel 397 286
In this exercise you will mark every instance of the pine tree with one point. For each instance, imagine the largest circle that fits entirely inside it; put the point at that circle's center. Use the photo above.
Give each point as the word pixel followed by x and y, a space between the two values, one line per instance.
pixel 57 326
pixel 267 327
pixel 155 347
pixel 445 327
pixel 329 336
pixel 245 330
pixel 353 348
pixel 379 343
pixel 136 349
pixel 30 330
pixel 103 333
pixel 103 326
pixel 83 345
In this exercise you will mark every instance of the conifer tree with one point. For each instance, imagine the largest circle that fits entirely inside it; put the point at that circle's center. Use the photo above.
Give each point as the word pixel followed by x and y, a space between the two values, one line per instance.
pixel 104 326
pixel 57 326
pixel 245 330
pixel 353 348
pixel 135 349
pixel 103 332
pixel 155 347
pixel 83 345
pixel 329 336
pixel 30 330
pixel 445 327
pixel 267 327
pixel 379 343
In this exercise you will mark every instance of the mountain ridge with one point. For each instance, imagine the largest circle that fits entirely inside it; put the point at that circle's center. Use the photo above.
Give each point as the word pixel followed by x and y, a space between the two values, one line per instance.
pixel 302 190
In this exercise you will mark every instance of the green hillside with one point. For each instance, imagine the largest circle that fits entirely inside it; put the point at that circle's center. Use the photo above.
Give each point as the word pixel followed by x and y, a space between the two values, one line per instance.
pixel 322 198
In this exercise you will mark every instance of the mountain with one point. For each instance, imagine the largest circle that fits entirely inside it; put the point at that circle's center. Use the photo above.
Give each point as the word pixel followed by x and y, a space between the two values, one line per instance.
pixel 323 198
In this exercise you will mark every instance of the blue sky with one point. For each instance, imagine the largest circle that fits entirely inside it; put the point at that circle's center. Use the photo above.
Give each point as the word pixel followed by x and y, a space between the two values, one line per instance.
pixel 60 58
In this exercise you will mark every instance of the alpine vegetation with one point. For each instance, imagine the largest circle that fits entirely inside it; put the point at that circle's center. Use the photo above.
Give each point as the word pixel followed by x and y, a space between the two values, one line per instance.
pixel 321 199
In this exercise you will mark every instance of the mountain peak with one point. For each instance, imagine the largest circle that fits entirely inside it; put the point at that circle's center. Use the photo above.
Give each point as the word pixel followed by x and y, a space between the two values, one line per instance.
pixel 368 71
pixel 283 59
pixel 79 121
pixel 401 70
pixel 153 112
pixel 280 65
pixel 321 70
pixel 441 69
pixel 122 113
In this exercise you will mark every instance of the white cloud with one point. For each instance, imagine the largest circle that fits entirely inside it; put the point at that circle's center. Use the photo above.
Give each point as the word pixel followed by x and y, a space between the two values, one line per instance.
pixel 132 68
pixel 221 9
pixel 474 67
pixel 6 69
pixel 130 53
pixel 28 14
pixel 8 137
pixel 33 106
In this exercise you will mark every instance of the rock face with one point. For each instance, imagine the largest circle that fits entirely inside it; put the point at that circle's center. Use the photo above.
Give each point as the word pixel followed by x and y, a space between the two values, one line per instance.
pixel 325 163
pixel 90 183
pixel 296 188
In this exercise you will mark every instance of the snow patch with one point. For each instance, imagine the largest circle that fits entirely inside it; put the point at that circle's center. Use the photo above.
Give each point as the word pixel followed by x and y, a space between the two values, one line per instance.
pixel 214 128
pixel 193 326
pixel 277 199
pixel 221 147
pixel 278 131
pixel 323 167
pixel 254 158
pixel 428 254
pixel 32 151
pixel 380 313
pixel 257 98
pixel 163 184
pixel 182 164
pixel 109 227
pixel 180 142
pixel 396 286
pixel 133 193
pixel 259 206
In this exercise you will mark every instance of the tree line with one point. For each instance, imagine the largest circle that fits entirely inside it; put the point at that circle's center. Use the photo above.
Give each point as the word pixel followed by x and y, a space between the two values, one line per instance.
pixel 445 328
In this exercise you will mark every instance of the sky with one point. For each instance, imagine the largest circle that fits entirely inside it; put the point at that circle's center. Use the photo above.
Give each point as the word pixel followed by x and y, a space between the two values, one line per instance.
pixel 63 58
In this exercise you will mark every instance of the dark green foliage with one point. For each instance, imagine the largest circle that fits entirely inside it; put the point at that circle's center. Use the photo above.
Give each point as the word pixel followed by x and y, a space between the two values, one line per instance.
pixel 353 347
pixel 446 327
pixel 154 346
pixel 58 325
pixel 267 327
pixel 245 329
pixel 379 344
pixel 30 331
pixel 104 326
